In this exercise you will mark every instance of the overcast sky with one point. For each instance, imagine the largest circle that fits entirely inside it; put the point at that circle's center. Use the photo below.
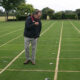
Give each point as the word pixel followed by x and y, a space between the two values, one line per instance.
pixel 57 5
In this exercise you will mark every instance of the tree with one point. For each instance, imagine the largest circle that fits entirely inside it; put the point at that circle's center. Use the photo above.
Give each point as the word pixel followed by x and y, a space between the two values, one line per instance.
pixel 69 14
pixel 9 5
pixel 1 12
pixel 78 13
pixel 24 10
pixel 65 15
pixel 58 15
pixel 47 12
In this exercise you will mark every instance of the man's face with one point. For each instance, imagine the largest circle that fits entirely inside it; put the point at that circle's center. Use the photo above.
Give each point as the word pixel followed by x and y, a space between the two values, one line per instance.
pixel 38 15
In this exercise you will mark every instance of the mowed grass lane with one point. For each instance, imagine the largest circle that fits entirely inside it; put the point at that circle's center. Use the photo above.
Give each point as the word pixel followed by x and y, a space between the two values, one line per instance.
pixel 76 23
pixel 17 31
pixel 12 48
pixel 46 53
pixel 47 49
pixel 8 51
pixel 69 66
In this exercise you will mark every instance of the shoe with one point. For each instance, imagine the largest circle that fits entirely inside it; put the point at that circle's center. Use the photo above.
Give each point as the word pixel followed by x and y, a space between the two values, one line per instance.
pixel 33 63
pixel 26 62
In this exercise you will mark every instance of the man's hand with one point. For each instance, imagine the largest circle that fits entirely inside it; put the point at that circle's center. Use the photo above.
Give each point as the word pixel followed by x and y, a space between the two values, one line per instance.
pixel 36 23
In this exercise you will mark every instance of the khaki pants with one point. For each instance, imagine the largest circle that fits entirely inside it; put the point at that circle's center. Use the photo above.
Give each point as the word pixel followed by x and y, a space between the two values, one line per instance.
pixel 33 42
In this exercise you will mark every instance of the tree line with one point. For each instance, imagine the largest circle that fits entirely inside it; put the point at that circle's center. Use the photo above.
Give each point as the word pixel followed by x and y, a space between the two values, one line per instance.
pixel 21 10
pixel 67 14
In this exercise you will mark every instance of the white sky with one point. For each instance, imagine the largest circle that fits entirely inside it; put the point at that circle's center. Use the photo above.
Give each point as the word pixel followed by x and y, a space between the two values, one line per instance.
pixel 57 5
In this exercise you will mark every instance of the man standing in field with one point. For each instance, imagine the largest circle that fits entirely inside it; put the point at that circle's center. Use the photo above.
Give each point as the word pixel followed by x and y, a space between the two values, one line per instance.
pixel 31 34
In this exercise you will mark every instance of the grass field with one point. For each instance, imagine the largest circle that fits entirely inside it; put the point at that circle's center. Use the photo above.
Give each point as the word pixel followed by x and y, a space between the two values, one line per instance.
pixel 58 52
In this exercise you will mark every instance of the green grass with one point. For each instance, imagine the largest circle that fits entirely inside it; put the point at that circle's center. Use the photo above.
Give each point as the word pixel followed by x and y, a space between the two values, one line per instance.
pixel 47 51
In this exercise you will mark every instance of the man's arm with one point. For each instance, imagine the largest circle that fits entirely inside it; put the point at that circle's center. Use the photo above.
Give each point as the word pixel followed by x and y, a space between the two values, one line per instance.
pixel 29 24
pixel 40 27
